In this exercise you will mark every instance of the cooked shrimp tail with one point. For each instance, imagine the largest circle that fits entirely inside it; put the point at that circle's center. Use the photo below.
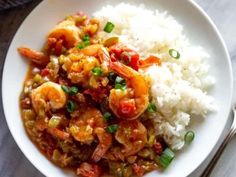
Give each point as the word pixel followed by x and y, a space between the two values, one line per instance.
pixel 36 57
pixel 134 100
pixel 105 141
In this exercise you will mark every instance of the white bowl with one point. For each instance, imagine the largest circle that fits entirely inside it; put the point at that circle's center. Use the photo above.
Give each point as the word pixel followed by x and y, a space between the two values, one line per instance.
pixel 197 26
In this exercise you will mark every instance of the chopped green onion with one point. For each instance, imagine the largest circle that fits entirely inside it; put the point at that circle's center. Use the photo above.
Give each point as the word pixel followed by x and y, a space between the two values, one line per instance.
pixel 151 108
pixel 65 89
pixel 121 87
pixel 86 37
pixel 70 90
pixel 109 27
pixel 83 44
pixel 80 46
pixel 189 136
pixel 97 71
pixel 174 53
pixel 86 43
pixel 112 128
pixel 73 90
pixel 70 106
pixel 107 116
pixel 166 157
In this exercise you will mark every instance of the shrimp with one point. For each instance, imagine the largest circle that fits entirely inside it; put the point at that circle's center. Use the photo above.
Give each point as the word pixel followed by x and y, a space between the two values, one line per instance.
pixel 88 124
pixel 132 135
pixel 36 57
pixel 97 50
pixel 81 65
pixel 132 102
pixel 67 31
pixel 48 95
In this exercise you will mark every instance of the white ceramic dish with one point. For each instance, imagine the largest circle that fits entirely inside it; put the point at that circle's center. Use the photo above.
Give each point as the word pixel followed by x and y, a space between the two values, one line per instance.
pixel 198 27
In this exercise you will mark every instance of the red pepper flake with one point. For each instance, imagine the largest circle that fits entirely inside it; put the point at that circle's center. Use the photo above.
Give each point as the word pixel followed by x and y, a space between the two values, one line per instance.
pixel 138 170
pixel 158 148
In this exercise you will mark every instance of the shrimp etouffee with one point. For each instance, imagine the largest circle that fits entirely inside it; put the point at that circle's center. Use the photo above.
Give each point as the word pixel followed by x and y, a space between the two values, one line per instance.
pixel 85 101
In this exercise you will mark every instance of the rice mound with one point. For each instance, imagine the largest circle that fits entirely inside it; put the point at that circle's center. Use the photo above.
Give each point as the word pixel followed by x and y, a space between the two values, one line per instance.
pixel 178 87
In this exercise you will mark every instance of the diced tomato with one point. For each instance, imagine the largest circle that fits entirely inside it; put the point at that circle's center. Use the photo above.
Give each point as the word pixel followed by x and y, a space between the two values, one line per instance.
pixel 149 61
pixel 89 170
pixel 134 60
pixel 128 56
pixel 127 107
pixel 45 72
pixel 138 170
pixel 113 57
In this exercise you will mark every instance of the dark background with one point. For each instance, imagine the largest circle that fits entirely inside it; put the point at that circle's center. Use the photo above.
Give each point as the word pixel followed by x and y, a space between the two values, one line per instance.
pixel 12 162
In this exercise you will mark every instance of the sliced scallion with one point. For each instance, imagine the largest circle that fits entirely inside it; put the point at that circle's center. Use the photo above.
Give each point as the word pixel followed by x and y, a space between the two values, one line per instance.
pixel 112 128
pixel 73 90
pixel 97 71
pixel 166 157
pixel 65 89
pixel 174 53
pixel 189 136
pixel 70 90
pixel 109 27
pixel 70 106
pixel 86 37
pixel 151 108
pixel 107 116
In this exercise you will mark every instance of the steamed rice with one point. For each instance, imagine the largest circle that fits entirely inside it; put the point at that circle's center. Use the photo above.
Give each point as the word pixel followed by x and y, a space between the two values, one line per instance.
pixel 178 87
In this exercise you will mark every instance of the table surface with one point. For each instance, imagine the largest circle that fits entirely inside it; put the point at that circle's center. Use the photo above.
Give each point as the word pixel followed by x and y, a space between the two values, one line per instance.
pixel 14 164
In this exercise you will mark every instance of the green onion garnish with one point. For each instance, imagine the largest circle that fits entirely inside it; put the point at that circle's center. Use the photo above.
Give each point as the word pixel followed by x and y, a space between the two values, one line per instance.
pixel 70 90
pixel 73 90
pixel 174 53
pixel 151 108
pixel 109 27
pixel 86 37
pixel 166 157
pixel 80 46
pixel 112 128
pixel 107 116
pixel 86 43
pixel 65 89
pixel 97 71
pixel 120 83
pixel 189 136
pixel 70 106
pixel 83 44
pixel 119 86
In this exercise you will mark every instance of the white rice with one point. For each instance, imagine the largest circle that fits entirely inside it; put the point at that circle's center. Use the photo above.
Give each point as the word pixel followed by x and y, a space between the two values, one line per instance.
pixel 179 87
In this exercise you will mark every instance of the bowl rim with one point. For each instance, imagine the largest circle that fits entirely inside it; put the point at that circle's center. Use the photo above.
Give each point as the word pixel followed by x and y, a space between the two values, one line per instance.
pixel 224 49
